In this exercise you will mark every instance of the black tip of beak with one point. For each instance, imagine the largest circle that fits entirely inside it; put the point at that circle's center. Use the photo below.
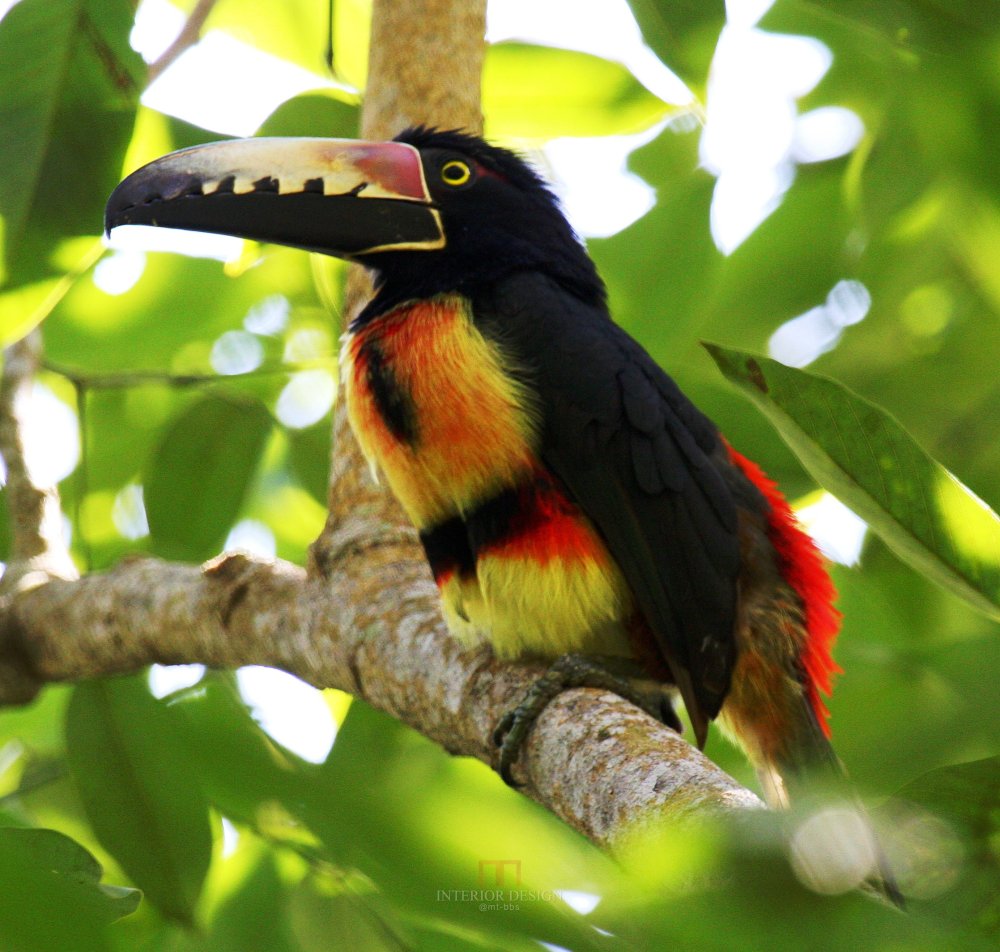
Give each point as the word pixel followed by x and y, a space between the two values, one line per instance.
pixel 136 200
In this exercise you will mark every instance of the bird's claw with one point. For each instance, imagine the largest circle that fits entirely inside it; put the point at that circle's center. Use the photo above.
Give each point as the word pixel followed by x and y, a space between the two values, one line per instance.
pixel 571 671
pixel 509 736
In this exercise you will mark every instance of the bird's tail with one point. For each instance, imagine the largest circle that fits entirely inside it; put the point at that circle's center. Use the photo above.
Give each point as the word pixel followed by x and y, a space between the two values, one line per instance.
pixel 786 627
pixel 834 846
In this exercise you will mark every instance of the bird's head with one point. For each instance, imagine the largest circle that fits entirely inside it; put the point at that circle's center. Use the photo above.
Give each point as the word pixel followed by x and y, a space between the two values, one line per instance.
pixel 431 211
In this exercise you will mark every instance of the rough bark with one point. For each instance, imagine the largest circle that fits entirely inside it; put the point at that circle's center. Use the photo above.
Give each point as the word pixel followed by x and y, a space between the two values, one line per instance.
pixel 363 616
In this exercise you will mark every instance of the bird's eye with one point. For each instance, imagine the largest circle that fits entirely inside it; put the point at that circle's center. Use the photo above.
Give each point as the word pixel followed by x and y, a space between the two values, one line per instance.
pixel 455 173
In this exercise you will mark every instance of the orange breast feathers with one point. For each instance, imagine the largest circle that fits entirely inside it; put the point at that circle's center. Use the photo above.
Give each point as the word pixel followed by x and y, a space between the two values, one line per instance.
pixel 436 408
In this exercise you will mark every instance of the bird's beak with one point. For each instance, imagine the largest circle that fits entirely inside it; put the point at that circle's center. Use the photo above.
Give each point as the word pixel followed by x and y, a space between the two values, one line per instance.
pixel 335 196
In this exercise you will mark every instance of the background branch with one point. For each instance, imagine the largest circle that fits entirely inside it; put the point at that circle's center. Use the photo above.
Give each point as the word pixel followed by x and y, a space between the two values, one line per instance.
pixel 38 549
pixel 189 35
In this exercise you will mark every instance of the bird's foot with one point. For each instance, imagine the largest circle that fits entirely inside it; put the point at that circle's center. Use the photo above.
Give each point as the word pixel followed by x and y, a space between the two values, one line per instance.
pixel 578 671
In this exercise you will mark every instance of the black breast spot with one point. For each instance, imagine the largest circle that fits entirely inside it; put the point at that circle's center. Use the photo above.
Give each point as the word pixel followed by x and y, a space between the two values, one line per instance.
pixel 394 403
pixel 447 548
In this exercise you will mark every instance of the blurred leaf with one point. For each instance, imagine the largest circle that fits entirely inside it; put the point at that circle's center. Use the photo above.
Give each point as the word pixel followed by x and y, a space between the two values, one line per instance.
pixel 69 84
pixel 294 30
pixel 807 237
pixel 543 92
pixel 324 113
pixel 967 795
pixel 683 33
pixel 196 482
pixel 134 779
pixel 864 456
pixel 668 253
pixel 309 454
pixel 240 768
pixel 255 917
pixel 917 664
pixel 68 860
pixel 920 201
pixel 967 798
pixel 173 315
pixel 37 725
pixel 43 904
pixel 25 307
pixel 355 919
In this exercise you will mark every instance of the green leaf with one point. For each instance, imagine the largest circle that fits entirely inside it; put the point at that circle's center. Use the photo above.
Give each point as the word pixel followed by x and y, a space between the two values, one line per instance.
pixel 199 476
pixel 69 85
pixel 68 860
pixel 323 113
pixel 967 798
pixel 967 795
pixel 145 805
pixel 170 319
pixel 309 455
pixel 860 453
pixel 23 308
pixel 668 253
pixel 683 33
pixel 241 769
pixel 542 92
pixel 257 914
pixel 44 906
pixel 295 30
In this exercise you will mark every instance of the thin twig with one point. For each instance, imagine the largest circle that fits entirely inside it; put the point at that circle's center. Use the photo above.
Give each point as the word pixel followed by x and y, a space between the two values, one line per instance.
pixel 36 519
pixel 189 35
pixel 126 379
pixel 38 550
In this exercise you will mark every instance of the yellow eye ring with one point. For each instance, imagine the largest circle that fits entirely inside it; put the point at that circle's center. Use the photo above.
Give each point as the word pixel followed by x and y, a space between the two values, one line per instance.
pixel 455 173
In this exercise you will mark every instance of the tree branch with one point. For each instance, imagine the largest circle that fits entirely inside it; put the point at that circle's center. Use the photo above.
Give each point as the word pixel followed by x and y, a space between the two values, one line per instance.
pixel 189 35
pixel 593 759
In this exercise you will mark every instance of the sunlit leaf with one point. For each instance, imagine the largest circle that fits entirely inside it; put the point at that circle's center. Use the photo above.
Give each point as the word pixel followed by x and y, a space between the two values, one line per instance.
pixel 683 33
pixel 200 474
pixel 661 271
pixel 295 30
pixel 360 920
pixel 256 915
pixel 69 84
pixel 37 725
pixel 145 805
pixel 542 92
pixel 172 316
pixel 864 456
pixel 24 308
pixel 323 113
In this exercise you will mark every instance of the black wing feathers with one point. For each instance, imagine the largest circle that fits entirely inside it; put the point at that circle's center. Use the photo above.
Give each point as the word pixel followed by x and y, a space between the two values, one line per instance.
pixel 637 456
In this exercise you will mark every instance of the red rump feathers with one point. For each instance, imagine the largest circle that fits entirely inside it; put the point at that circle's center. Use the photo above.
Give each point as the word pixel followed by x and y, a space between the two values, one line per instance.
pixel 803 567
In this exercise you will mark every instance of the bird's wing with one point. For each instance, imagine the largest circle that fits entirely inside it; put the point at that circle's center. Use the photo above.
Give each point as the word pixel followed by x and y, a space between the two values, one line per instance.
pixel 645 466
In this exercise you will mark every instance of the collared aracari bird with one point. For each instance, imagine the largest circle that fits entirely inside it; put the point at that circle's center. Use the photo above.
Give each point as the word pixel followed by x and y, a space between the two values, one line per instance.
pixel 569 497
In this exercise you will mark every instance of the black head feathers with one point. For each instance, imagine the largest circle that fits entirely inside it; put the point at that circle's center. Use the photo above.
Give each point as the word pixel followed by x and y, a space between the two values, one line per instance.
pixel 500 218
pixel 503 162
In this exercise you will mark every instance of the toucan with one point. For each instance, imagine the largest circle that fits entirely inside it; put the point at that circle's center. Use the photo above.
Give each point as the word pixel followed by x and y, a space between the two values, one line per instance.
pixel 570 499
